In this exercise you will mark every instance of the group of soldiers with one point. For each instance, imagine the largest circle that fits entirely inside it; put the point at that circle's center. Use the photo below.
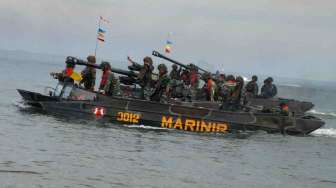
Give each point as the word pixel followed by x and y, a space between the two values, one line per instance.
pixel 181 83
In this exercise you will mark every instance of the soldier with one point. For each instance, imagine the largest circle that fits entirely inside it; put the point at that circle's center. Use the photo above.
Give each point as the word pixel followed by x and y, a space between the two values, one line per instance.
pixel 186 93
pixel 210 86
pixel 175 85
pixel 238 93
pixel 105 67
pixel 185 76
pixel 251 89
pixel 160 93
pixel 89 75
pixel 220 87
pixel 268 90
pixel 175 73
pixel 65 75
pixel 109 83
pixel 229 92
pixel 145 78
pixel 194 80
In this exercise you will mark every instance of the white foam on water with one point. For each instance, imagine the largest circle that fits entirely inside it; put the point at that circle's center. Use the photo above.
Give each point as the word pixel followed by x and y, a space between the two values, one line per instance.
pixel 20 104
pixel 146 127
pixel 291 85
pixel 333 114
pixel 329 132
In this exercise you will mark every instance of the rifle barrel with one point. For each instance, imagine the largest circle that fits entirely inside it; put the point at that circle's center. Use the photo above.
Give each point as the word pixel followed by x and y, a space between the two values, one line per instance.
pixel 77 61
pixel 124 72
pixel 157 54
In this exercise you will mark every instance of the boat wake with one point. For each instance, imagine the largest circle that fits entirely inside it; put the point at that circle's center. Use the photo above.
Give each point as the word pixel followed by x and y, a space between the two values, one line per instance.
pixel 327 114
pixel 145 127
pixel 20 104
pixel 329 132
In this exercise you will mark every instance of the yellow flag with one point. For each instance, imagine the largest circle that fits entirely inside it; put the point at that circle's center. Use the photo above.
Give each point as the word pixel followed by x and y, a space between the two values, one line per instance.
pixel 76 76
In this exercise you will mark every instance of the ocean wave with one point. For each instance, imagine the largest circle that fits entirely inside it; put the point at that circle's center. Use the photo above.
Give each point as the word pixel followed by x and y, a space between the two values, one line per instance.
pixel 330 114
pixel 329 132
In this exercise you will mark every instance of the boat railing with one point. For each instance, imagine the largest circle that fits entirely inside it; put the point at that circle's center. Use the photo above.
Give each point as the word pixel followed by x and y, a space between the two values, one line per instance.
pixel 49 91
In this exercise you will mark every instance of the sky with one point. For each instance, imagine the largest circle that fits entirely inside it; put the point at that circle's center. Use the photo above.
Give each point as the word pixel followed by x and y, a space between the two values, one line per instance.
pixel 288 38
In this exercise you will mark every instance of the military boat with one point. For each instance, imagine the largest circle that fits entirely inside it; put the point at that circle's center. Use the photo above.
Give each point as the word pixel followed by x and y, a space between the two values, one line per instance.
pixel 71 101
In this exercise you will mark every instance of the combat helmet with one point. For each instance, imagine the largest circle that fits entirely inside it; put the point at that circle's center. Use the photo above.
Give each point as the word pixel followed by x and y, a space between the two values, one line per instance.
pixel 162 68
pixel 105 65
pixel 148 60
pixel 91 59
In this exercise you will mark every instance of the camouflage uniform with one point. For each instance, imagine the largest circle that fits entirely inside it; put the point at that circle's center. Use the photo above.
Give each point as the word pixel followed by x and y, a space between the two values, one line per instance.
pixel 145 78
pixel 89 75
pixel 251 88
pixel 187 95
pixel 175 74
pixel 112 86
pixel 161 85
pixel 186 92
pixel 228 93
pixel 268 90
pixel 220 83
pixel 194 82
pixel 239 93
pixel 175 84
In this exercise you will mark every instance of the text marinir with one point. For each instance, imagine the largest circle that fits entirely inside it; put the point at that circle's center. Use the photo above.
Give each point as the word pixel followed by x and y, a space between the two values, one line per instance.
pixel 193 125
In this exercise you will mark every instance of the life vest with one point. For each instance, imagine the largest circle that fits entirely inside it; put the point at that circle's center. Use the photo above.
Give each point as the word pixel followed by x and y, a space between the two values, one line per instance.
pixel 68 71
pixel 210 84
pixel 231 85
pixel 193 78
pixel 284 107
pixel 104 79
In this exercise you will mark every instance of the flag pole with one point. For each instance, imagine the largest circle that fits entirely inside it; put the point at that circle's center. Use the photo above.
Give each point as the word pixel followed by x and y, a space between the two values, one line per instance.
pixel 97 38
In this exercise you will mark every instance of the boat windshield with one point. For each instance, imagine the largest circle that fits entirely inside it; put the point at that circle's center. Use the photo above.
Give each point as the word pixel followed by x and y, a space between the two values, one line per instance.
pixel 81 94
pixel 69 91
pixel 66 91
pixel 58 90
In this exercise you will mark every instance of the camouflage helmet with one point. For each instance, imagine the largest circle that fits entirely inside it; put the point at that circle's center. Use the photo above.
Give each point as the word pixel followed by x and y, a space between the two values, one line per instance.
pixel 255 78
pixel 240 79
pixel 91 59
pixel 105 65
pixel 174 66
pixel 148 60
pixel 268 80
pixel 70 62
pixel 162 67
pixel 206 75
pixel 230 77
pixel 193 67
